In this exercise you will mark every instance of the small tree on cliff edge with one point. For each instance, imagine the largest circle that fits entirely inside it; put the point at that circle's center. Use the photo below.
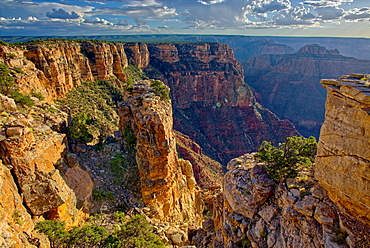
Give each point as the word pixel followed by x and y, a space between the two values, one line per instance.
pixel 288 158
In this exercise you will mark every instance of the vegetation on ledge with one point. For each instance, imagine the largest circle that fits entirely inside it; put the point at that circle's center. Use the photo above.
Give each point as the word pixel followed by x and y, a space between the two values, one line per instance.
pixel 289 158
pixel 123 232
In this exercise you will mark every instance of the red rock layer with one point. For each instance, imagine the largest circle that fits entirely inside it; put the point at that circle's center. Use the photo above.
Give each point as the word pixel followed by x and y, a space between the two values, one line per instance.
pixel 212 103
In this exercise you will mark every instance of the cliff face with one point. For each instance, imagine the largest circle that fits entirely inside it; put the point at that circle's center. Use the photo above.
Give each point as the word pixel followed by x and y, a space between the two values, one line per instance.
pixel 288 84
pixel 54 68
pixel 32 185
pixel 207 85
pixel 254 211
pixel 168 185
pixel 212 104
pixel 342 164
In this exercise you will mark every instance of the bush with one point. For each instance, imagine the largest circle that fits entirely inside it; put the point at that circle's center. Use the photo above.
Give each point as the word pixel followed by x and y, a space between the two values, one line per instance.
pixel 288 158
pixel 7 85
pixel 55 230
pixel 22 99
pixel 78 130
pixel 118 164
pixel 130 137
pixel 18 70
pixel 160 90
pixel 38 95
pixel 86 236
pixel 137 233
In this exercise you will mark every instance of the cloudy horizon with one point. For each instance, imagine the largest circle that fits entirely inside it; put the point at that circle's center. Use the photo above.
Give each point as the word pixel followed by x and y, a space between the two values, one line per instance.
pixel 330 18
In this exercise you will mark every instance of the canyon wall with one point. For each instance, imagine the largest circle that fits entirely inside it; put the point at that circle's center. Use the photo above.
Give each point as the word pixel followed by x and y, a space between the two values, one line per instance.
pixel 289 85
pixel 342 163
pixel 208 90
pixel 212 103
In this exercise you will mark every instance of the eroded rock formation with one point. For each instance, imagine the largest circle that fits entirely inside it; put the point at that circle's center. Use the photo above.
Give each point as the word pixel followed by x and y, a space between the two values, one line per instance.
pixel 289 86
pixel 32 185
pixel 254 211
pixel 212 103
pixel 168 185
pixel 343 159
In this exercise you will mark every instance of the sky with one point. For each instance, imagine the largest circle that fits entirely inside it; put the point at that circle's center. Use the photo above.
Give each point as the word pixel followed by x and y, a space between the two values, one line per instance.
pixel 330 18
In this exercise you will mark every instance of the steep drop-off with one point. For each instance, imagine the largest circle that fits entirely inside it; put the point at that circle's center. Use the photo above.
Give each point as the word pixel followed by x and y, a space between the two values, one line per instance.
pixel 168 185
pixel 212 103
pixel 289 85
pixel 343 159
pixel 255 211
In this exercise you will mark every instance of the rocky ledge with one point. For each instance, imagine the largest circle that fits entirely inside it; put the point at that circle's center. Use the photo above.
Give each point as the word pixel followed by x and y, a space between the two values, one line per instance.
pixel 343 158
pixel 254 211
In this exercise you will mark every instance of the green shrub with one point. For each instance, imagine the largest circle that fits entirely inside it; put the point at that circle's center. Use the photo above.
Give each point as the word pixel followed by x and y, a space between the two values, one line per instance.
pixel 244 243
pixel 86 236
pixel 137 233
pixel 130 137
pixel 285 160
pixel 38 95
pixel 119 216
pixel 90 235
pixel 160 90
pixel 18 70
pixel 134 73
pixel 117 166
pixel 129 84
pixel 7 85
pixel 11 55
pixel 78 130
pixel 99 194
pixel 54 230
pixel 3 43
pixel 22 99
pixel 98 100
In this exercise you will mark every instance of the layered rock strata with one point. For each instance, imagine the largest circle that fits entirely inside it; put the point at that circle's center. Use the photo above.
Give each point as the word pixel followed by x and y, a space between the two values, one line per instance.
pixel 343 159
pixel 212 103
pixel 254 211
pixel 288 84
pixel 54 68
pixel 33 187
pixel 209 94
pixel 168 185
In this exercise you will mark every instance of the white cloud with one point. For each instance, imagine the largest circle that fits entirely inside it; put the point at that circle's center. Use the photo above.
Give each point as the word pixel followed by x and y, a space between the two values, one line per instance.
pixel 62 14
pixel 146 8
pixel 209 2
pixel 330 12
pixel 323 3
pixel 97 20
pixel 299 15
pixel 264 6
pixel 357 14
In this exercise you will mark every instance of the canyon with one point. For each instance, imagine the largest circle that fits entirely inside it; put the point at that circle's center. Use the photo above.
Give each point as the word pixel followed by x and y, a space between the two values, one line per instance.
pixel 289 85
pixel 47 174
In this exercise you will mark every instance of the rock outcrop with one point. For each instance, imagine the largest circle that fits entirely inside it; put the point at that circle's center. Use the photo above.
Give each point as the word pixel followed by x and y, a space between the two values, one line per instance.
pixel 55 67
pixel 212 103
pixel 343 159
pixel 289 86
pixel 254 211
pixel 33 187
pixel 168 185
pixel 207 85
